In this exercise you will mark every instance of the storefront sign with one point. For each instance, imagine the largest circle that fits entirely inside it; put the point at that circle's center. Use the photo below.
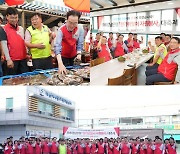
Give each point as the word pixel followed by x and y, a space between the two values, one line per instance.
pixel 54 97
pixel 166 127
pixel 74 133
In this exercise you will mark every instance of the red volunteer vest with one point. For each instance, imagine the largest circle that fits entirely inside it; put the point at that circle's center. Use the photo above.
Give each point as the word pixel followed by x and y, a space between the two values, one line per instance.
pixel 115 150
pixel 45 147
pixel 30 149
pixel 130 49
pixel 100 148
pixel 110 43
pixel 95 43
pixel 69 151
pixel 23 150
pixel 16 150
pixel 134 149
pixel 9 150
pixel 54 148
pixel 74 149
pixel 79 149
pixel 141 150
pixel 168 70
pixel 136 44
pixel 149 149
pixel 171 149
pixel 93 149
pixel 88 148
pixel 157 149
pixel 119 51
pixel 125 149
pixel 110 150
pixel 104 53
pixel 15 42
pixel 37 149
pixel 68 43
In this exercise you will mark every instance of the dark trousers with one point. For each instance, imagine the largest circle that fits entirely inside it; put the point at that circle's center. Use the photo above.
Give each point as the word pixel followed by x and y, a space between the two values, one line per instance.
pixel 20 66
pixel 42 63
pixel 68 61
pixel 153 76
pixel 152 67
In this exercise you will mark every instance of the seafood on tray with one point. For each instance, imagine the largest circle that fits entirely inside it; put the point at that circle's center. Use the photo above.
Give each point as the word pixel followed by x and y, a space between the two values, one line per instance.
pixel 73 77
pixel 65 79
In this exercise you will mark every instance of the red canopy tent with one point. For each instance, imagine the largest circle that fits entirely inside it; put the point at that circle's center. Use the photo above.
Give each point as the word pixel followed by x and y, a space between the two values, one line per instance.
pixel 79 5
pixel 14 2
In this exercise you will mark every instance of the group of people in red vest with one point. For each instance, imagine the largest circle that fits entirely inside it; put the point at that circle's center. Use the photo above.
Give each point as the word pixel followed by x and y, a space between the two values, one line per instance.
pixel 111 47
pixel 87 146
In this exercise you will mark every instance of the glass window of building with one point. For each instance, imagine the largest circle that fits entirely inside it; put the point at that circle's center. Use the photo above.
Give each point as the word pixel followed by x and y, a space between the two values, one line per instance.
pixel 9 104
pixel 49 109
pixel 41 106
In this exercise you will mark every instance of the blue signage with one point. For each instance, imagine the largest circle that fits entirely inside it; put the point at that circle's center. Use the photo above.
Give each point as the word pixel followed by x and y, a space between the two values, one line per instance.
pixel 54 97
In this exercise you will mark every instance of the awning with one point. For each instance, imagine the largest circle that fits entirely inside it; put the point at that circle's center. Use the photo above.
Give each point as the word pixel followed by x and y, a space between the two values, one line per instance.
pixel 80 5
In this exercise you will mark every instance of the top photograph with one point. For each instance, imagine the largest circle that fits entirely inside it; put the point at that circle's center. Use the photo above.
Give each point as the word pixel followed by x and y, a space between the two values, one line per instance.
pixel 104 42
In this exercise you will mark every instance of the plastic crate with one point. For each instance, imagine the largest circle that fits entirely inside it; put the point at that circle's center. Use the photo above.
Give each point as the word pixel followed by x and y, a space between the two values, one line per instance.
pixel 36 72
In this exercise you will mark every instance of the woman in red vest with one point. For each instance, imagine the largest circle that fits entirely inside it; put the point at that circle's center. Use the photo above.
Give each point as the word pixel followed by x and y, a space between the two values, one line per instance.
pixel 103 49
pixel 8 148
pixel 119 47
pixel 166 70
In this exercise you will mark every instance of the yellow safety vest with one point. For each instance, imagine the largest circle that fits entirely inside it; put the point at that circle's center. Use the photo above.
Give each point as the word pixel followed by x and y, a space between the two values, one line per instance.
pixel 164 53
pixel 62 149
pixel 40 36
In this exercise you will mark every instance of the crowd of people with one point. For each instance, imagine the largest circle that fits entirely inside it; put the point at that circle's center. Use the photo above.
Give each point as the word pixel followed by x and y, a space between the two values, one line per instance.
pixel 38 42
pixel 122 145
pixel 163 67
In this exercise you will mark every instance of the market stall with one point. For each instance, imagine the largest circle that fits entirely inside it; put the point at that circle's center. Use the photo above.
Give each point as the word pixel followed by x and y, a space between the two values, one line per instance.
pixel 76 75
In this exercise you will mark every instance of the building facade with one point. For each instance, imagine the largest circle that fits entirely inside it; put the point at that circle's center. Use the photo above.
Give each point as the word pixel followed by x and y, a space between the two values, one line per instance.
pixel 33 111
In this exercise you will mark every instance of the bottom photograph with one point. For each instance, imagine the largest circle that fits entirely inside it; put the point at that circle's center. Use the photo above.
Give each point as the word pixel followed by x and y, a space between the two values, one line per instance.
pixel 89 120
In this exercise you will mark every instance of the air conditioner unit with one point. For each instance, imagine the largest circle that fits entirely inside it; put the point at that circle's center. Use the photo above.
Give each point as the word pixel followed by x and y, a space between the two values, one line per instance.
pixel 9 110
